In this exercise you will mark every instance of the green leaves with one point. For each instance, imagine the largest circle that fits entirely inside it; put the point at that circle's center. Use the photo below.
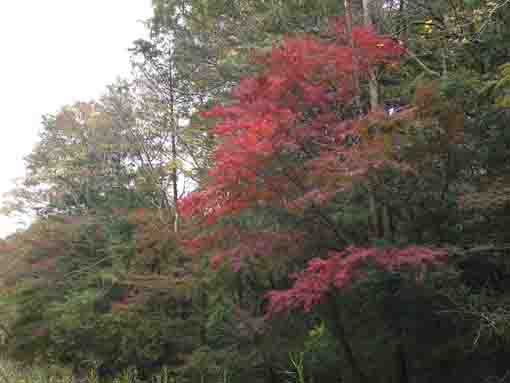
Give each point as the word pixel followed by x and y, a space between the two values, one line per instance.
pixel 472 3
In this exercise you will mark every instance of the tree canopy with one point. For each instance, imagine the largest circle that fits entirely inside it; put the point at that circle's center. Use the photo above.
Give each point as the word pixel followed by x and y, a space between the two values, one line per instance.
pixel 283 191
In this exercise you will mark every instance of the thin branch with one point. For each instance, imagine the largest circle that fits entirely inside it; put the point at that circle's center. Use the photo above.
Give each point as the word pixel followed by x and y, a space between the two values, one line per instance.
pixel 489 18
pixel 422 64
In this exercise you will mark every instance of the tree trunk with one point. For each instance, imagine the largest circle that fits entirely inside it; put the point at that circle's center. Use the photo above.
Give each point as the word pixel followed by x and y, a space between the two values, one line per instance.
pixel 356 101
pixel 372 76
pixel 339 332
pixel 373 89
pixel 401 364
pixel 386 223
pixel 403 23
pixel 374 214
pixel 174 125
pixel 175 178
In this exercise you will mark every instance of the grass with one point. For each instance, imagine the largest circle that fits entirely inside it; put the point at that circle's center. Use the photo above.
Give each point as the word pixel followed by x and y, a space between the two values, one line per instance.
pixel 11 372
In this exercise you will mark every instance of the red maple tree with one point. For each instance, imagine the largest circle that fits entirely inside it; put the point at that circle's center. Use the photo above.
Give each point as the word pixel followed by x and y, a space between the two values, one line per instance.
pixel 292 141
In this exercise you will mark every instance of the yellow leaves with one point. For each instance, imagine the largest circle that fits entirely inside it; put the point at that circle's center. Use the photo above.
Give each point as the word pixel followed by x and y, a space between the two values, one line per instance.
pixel 174 165
pixel 232 52
pixel 230 56
pixel 504 80
pixel 428 27
pixel 503 102
pixel 317 331
pixel 392 67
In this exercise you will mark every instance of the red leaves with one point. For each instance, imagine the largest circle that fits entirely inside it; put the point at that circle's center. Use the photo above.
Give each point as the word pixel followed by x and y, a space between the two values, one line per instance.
pixel 312 286
pixel 285 144
pixel 291 111
pixel 270 120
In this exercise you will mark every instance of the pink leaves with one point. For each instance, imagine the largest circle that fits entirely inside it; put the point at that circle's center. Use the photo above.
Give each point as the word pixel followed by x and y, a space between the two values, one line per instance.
pixel 341 268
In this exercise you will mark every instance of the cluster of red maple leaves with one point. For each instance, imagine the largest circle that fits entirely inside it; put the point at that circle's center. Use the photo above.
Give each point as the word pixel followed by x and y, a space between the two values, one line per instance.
pixel 288 142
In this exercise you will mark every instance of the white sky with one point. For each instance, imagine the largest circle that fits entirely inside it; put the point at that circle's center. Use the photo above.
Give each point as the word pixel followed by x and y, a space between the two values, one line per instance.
pixel 52 53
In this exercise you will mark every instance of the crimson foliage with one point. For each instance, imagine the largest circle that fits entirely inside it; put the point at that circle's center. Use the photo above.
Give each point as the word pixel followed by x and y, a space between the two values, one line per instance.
pixel 293 140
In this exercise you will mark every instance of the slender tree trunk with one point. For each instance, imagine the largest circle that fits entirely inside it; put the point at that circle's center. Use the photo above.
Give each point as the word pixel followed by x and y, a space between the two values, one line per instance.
pixel 378 18
pixel 270 371
pixel 444 62
pixel 348 17
pixel 403 22
pixel 174 126
pixel 386 223
pixel 373 89
pixel 401 364
pixel 339 332
pixel 355 76
pixel 374 213
pixel 372 76
pixel 203 304
pixel 379 222
pixel 175 178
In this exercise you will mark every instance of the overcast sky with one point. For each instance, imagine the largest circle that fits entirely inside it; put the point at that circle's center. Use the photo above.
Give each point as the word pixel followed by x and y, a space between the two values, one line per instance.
pixel 56 52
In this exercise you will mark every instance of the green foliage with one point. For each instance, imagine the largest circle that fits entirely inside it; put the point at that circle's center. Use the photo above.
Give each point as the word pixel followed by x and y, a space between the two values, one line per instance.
pixel 102 283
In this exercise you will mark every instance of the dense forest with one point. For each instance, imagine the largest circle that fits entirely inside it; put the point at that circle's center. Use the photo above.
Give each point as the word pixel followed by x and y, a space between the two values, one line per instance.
pixel 285 191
